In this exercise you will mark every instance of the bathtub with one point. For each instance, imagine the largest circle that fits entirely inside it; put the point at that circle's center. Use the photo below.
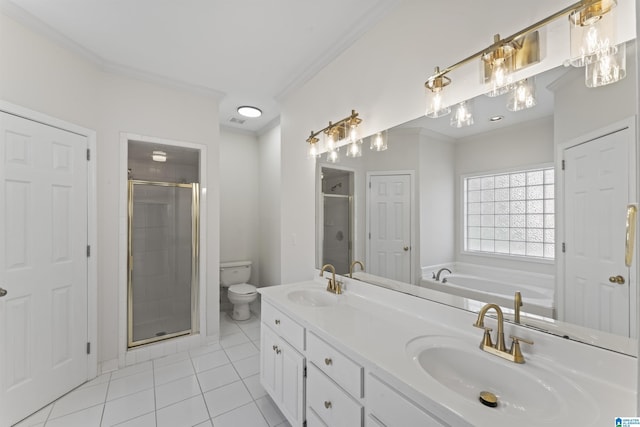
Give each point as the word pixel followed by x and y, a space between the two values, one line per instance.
pixel 536 300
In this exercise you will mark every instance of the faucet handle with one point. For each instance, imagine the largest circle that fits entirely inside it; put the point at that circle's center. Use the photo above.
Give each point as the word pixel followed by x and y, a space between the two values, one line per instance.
pixel 515 348
pixel 486 338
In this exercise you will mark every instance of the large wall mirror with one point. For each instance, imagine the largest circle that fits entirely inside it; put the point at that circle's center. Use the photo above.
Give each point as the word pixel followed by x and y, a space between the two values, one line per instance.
pixel 469 215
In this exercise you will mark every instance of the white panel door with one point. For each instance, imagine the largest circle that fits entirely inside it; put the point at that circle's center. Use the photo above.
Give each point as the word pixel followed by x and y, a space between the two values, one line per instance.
pixel 596 181
pixel 390 227
pixel 43 265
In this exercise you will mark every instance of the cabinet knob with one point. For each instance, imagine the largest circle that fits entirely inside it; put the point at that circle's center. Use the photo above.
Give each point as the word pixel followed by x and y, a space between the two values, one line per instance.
pixel 275 347
pixel 617 279
pixel 328 361
pixel 278 351
pixel 3 292
pixel 327 404
pixel 277 321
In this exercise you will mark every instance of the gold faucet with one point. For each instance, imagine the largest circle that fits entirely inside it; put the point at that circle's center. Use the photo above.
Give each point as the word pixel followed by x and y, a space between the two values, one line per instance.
pixel 353 264
pixel 517 303
pixel 499 348
pixel 332 286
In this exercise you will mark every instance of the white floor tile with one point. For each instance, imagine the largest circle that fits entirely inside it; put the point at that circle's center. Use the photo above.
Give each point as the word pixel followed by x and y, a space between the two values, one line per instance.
pixel 79 399
pixel 210 360
pixel 270 411
pixel 233 339
pixel 247 415
pixel 175 391
pixel 217 377
pixel 253 333
pixel 284 424
pixel 89 417
pixel 146 420
pixel 209 348
pixel 255 388
pixel 166 374
pixel 206 424
pixel 252 322
pixel 183 414
pixel 128 407
pixel 171 359
pixel 104 378
pixel 130 370
pixel 130 384
pixel 36 419
pixel 242 351
pixel 247 367
pixel 226 398
pixel 228 329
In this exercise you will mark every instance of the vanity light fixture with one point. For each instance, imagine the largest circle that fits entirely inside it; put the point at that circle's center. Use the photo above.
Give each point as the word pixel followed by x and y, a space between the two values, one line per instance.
pixel 344 129
pixel 249 111
pixel 462 115
pixel 522 95
pixel 159 156
pixel 379 141
pixel 522 48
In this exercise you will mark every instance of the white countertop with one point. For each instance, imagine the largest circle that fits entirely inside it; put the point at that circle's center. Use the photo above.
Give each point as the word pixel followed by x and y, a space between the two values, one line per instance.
pixel 373 325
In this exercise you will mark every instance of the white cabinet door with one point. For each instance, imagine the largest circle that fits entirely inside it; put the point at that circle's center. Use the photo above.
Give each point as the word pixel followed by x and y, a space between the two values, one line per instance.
pixel 268 344
pixel 43 265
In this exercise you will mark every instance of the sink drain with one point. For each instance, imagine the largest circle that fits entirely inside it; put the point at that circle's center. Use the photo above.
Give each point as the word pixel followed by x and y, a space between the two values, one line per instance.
pixel 488 399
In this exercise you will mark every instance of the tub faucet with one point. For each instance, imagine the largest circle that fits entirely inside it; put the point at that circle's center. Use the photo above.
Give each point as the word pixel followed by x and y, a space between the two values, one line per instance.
pixel 499 348
pixel 332 286
pixel 353 264
pixel 437 275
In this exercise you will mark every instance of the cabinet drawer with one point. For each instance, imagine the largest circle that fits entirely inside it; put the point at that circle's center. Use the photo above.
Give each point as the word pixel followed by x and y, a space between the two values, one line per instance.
pixel 336 365
pixel 333 405
pixel 283 325
pixel 392 409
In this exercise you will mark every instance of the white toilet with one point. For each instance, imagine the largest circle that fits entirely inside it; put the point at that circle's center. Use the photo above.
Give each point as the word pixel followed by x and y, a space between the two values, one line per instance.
pixel 234 276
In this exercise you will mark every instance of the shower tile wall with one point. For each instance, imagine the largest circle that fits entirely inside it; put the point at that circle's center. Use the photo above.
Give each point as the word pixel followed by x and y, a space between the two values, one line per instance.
pixel 165 172
pixel 162 262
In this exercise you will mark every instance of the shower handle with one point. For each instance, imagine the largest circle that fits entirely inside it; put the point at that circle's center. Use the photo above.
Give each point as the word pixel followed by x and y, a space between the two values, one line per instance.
pixel 3 292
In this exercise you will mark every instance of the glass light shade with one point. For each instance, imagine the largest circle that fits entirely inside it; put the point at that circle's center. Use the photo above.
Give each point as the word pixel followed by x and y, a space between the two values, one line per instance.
pixel 379 141
pixel 436 104
pixel 522 95
pixel 330 142
pixel 313 151
pixel 354 149
pixel 332 156
pixel 462 115
pixel 607 67
pixel 592 30
pixel 500 79
pixel 353 132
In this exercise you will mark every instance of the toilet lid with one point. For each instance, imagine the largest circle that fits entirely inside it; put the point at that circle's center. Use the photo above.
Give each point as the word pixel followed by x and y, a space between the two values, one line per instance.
pixel 242 289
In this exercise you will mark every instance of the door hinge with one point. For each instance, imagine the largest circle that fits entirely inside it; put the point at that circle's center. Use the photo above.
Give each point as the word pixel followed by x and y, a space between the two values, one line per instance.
pixel 88 251
pixel 369 236
pixel 304 372
pixel 564 247
pixel 88 348
pixel 563 165
pixel 369 184
pixel 88 154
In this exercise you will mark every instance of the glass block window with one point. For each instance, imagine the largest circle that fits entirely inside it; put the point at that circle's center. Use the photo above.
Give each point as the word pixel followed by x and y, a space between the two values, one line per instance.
pixel 511 213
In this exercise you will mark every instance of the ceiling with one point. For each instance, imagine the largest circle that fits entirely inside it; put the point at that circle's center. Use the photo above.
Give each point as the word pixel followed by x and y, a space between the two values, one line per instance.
pixel 246 52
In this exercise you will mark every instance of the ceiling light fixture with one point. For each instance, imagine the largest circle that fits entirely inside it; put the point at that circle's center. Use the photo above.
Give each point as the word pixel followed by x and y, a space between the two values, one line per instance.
pixel 522 49
pixel 334 133
pixel 249 111
pixel 159 156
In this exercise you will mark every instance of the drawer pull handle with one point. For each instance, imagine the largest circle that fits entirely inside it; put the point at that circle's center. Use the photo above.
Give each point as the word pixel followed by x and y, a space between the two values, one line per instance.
pixel 278 351
pixel 328 361
pixel 275 347
pixel 277 321
pixel 327 404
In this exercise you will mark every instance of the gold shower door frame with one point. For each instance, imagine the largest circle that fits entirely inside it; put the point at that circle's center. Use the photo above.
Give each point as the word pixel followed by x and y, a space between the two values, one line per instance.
pixel 195 262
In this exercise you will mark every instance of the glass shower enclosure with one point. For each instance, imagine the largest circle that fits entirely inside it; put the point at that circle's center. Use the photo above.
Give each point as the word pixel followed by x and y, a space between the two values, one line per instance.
pixel 163 261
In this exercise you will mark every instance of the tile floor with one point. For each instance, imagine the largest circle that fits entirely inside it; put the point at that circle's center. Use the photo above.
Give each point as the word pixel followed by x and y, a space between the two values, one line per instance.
pixel 216 385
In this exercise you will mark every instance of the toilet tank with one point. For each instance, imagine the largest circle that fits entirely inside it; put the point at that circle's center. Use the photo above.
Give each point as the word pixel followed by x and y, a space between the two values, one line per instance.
pixel 233 273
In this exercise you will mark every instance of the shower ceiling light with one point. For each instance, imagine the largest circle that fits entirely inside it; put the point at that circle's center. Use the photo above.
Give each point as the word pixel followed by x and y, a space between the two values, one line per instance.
pixel 249 111
pixel 159 156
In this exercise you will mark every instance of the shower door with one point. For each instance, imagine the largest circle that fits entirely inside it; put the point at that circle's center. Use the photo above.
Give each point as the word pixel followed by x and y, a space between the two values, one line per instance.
pixel 336 239
pixel 163 261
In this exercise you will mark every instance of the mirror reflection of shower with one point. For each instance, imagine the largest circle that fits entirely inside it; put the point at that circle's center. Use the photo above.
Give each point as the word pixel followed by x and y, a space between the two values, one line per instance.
pixel 163 236
pixel 337 218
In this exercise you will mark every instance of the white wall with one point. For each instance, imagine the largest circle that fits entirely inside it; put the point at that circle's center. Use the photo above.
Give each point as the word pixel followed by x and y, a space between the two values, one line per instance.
pixel 269 197
pixel 239 199
pixel 38 74
pixel 517 146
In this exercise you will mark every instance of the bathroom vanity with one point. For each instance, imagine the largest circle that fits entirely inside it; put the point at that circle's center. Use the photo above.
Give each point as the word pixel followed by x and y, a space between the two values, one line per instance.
pixel 375 357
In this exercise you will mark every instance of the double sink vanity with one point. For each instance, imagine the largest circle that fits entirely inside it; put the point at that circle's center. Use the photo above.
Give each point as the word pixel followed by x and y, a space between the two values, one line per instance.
pixel 369 356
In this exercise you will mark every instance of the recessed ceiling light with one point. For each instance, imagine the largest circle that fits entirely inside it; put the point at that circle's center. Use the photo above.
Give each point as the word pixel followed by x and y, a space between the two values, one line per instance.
pixel 496 118
pixel 249 111
pixel 159 156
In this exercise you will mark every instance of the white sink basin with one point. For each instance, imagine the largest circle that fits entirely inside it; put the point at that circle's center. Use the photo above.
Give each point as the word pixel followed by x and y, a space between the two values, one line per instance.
pixel 523 390
pixel 313 297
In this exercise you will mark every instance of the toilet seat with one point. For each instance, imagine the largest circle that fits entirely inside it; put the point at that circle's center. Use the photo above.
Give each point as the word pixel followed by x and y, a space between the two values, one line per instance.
pixel 243 289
